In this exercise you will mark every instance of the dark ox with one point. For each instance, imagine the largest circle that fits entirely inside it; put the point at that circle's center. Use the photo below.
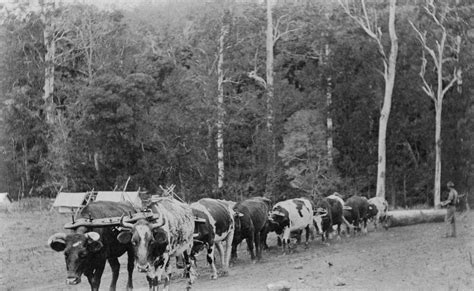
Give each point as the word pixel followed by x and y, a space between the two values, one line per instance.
pixel 251 225
pixel 378 212
pixel 292 215
pixel 154 243
pixel 87 249
pixel 357 215
pixel 324 218
pixel 337 212
pixel 215 223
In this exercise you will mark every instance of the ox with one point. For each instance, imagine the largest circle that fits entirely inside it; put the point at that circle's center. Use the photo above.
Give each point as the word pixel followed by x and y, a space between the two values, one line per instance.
pixel 214 225
pixel 324 216
pixel 378 211
pixel 87 249
pixel 251 226
pixel 337 211
pixel 292 215
pixel 358 212
pixel 170 235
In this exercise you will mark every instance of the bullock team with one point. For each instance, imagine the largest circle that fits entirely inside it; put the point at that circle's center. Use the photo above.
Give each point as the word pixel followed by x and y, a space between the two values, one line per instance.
pixel 179 230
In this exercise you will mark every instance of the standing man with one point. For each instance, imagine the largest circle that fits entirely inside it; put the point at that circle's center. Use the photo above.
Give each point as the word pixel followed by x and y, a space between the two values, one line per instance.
pixel 451 210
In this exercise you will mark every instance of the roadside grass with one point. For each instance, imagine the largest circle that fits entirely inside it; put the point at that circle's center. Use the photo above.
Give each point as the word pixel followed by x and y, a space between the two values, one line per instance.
pixel 27 205
pixel 25 227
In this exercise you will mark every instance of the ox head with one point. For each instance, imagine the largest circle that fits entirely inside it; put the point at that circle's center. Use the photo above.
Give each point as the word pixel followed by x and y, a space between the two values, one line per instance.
pixel 79 250
pixel 238 216
pixel 278 220
pixel 150 243
pixel 201 232
pixel 318 215
pixel 372 211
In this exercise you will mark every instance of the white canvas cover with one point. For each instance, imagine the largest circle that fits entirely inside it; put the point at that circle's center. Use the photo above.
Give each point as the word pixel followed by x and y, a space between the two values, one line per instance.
pixel 118 196
pixel 5 199
pixel 67 201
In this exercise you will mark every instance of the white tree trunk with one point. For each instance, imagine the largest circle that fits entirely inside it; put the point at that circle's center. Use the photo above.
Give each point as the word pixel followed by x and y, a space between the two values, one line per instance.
pixel 220 107
pixel 329 117
pixel 269 67
pixel 48 36
pixel 387 103
pixel 270 99
pixel 438 143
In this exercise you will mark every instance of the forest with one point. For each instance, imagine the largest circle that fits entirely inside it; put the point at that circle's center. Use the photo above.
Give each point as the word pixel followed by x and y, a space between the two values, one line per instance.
pixel 177 93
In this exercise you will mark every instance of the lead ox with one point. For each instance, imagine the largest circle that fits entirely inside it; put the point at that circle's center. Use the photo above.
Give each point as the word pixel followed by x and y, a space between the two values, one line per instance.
pixel 171 235
pixel 214 225
pixel 251 225
pixel 88 248
pixel 378 211
pixel 292 215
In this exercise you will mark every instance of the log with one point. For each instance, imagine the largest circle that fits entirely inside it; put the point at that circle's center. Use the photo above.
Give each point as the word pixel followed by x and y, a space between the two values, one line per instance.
pixel 415 216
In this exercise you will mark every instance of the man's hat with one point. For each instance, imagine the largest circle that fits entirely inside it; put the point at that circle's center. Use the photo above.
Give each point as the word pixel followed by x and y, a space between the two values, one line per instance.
pixel 450 184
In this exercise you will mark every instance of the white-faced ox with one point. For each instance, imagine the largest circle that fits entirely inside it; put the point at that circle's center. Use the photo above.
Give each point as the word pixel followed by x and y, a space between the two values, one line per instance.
pixel 292 215
pixel 215 224
pixel 87 249
pixel 378 211
pixel 251 225
pixel 154 243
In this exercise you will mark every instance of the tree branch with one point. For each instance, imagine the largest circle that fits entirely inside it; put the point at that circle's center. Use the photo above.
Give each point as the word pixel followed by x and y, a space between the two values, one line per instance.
pixel 364 22
pixel 451 83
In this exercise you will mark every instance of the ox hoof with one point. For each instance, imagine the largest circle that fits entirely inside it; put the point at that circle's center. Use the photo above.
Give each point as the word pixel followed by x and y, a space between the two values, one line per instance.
pixel 214 277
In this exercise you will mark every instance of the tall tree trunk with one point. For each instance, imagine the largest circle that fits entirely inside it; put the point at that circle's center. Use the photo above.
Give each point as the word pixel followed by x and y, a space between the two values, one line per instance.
pixel 48 36
pixel 270 183
pixel 220 103
pixel 26 170
pixel 328 112
pixel 387 103
pixel 89 50
pixel 438 143
pixel 404 190
pixel 96 162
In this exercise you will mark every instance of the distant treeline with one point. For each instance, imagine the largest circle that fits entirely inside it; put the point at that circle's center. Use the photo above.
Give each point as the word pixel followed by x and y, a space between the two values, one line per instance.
pixel 135 95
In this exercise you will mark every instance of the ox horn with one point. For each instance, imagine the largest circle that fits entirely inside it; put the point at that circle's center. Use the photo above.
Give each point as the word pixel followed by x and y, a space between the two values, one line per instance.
pixel 156 225
pixel 199 220
pixel 92 235
pixel 126 224
pixel 277 213
pixel 321 212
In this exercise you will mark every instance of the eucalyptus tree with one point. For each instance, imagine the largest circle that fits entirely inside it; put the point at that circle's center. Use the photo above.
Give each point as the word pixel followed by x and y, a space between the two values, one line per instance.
pixel 441 46
pixel 372 29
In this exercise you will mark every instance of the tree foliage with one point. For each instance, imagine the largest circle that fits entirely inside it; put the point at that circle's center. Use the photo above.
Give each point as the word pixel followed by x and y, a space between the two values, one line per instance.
pixel 135 96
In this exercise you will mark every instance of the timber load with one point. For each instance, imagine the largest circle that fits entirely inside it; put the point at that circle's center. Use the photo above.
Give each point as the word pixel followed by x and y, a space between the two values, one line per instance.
pixel 416 216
